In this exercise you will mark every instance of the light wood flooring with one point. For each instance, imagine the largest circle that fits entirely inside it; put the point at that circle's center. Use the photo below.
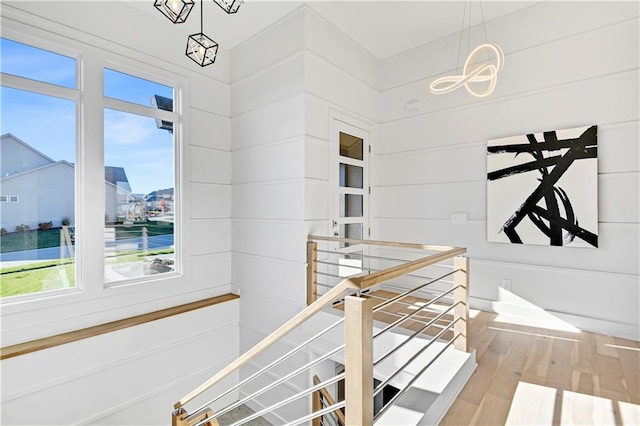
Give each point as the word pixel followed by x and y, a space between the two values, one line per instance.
pixel 538 376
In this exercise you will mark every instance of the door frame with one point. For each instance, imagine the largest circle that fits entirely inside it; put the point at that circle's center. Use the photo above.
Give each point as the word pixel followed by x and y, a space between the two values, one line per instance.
pixel 339 122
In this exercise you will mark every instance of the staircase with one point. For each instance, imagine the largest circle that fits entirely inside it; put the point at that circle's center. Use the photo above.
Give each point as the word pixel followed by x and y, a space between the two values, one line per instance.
pixel 385 329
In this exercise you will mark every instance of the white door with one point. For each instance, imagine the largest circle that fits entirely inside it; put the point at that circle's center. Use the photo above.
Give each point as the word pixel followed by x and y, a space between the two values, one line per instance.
pixel 349 168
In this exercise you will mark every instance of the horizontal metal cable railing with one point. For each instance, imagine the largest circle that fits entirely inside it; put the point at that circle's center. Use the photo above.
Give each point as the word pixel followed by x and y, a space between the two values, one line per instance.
pixel 421 289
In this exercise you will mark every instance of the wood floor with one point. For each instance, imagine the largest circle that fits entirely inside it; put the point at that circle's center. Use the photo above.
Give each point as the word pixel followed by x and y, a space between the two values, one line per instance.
pixel 537 376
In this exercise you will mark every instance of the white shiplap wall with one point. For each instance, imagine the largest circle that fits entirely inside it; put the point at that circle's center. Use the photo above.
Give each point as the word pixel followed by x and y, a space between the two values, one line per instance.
pixel 267 128
pixel 133 376
pixel 566 65
pixel 281 103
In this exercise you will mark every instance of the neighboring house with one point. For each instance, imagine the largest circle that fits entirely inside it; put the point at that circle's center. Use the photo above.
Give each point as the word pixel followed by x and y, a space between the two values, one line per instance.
pixel 161 200
pixel 118 202
pixel 24 168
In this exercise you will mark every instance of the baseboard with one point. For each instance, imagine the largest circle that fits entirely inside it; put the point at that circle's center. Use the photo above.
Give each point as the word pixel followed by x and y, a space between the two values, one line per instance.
pixel 579 322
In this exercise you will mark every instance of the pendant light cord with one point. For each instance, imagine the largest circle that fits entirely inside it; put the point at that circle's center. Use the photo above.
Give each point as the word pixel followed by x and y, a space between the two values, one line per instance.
pixel 201 18
pixel 484 26
pixel 464 15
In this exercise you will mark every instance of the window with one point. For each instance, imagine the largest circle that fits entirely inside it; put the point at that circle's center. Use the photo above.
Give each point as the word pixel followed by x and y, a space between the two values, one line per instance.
pixel 38 169
pixel 140 187
pixel 43 221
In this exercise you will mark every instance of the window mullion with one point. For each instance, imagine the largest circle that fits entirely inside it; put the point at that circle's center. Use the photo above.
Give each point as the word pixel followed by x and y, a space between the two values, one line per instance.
pixel 139 109
pixel 21 83
pixel 91 176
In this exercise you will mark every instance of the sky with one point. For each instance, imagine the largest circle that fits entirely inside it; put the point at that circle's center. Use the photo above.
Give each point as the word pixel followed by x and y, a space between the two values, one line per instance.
pixel 48 124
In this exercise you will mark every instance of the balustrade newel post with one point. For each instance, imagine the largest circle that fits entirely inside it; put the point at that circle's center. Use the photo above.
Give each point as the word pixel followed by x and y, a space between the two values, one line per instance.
pixel 312 269
pixel 359 361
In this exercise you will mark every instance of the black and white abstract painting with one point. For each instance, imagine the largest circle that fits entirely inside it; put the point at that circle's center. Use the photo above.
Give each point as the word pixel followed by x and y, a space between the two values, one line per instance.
pixel 542 188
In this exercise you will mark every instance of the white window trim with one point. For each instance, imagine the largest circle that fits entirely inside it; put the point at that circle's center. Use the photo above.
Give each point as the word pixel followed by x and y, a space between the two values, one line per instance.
pixel 125 67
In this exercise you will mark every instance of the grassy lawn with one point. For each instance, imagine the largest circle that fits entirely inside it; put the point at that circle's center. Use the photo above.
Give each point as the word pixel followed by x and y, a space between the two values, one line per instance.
pixel 51 275
pixel 35 239
pixel 154 227
pixel 39 278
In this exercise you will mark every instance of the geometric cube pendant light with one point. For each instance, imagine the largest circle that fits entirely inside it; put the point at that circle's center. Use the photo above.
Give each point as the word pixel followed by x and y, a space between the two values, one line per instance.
pixel 176 11
pixel 229 6
pixel 201 48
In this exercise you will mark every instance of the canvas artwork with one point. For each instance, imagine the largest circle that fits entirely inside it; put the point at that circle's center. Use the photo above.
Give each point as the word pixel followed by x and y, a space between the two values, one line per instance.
pixel 542 188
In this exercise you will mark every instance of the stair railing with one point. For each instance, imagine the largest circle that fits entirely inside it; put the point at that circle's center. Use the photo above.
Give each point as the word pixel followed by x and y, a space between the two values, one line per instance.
pixel 363 269
pixel 321 400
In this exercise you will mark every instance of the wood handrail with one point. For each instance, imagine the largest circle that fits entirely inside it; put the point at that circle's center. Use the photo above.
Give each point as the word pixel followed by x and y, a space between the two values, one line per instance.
pixel 85 333
pixel 366 281
pixel 293 323
pixel 330 401
pixel 381 243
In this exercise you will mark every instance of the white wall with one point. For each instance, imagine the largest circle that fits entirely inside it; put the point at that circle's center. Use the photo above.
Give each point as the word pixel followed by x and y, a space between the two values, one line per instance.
pixel 267 128
pixel 115 378
pixel 284 82
pixel 131 376
pixel 566 65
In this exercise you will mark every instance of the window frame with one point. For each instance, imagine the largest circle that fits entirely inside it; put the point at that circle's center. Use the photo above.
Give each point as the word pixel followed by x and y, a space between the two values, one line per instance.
pixel 91 296
pixel 124 66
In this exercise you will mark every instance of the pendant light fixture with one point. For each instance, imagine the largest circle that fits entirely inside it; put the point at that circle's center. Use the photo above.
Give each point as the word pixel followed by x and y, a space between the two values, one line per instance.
pixel 229 6
pixel 176 11
pixel 200 48
pixel 474 73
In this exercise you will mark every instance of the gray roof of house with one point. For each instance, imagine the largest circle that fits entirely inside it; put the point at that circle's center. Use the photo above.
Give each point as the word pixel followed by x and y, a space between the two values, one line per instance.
pixel 115 175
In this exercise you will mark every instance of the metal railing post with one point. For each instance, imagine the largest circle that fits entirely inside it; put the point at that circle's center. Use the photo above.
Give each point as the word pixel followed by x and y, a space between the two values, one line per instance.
pixel 359 360
pixel 461 294
pixel 145 240
pixel 312 269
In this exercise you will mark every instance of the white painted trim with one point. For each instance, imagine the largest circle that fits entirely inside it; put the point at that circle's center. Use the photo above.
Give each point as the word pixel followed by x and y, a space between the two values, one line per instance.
pixel 595 325
pixel 39 87
pixel 142 110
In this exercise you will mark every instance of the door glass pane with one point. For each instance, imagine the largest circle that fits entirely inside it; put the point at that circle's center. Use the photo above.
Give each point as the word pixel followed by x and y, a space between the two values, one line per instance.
pixel 139 197
pixel 351 176
pixel 37 64
pixel 350 230
pixel 351 205
pixel 37 182
pixel 351 146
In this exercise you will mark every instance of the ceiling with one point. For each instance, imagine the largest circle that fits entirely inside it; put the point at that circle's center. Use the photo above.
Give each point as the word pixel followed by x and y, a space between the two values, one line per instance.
pixel 383 28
